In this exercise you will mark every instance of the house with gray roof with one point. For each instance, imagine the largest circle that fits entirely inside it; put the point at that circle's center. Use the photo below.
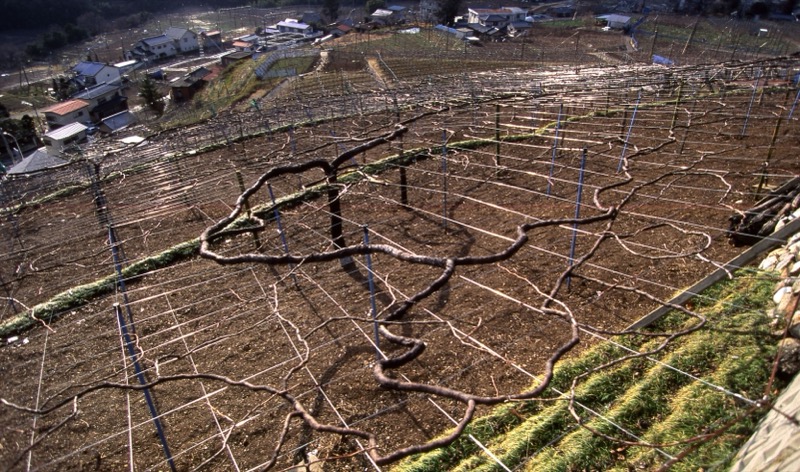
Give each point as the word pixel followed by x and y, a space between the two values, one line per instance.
pixel 495 17
pixel 185 40
pixel 88 73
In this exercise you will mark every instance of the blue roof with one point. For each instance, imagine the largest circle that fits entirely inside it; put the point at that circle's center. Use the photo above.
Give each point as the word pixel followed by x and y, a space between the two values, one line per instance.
pixel 88 69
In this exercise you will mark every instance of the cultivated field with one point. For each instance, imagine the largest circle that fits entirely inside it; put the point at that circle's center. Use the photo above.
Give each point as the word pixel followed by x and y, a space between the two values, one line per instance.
pixel 510 213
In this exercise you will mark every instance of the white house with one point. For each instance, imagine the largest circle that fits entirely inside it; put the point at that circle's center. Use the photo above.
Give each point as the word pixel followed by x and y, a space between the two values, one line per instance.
pixel 93 73
pixel 291 26
pixel 185 40
pixel 55 142
pixel 496 17
pixel 65 113
pixel 157 47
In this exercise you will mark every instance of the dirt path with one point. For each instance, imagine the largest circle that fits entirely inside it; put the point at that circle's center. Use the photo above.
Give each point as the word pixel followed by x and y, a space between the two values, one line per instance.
pixel 377 71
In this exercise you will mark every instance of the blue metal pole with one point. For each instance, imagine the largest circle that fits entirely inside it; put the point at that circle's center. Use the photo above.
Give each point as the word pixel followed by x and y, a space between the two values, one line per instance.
pixel 794 105
pixel 630 129
pixel 373 306
pixel 555 149
pixel 137 368
pixel 126 332
pixel 750 106
pixel 577 214
pixel 444 179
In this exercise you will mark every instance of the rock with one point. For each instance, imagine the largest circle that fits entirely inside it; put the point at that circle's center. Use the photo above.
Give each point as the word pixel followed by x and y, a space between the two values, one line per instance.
pixel 795 269
pixel 782 310
pixel 779 295
pixel 768 263
pixel 784 261
pixel 789 356
pixel 794 325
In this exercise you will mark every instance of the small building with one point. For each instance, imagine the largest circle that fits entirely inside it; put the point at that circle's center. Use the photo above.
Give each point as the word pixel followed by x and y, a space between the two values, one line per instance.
pixel 244 46
pixel 381 16
pixel 185 40
pixel 235 57
pixel 88 73
pixel 212 40
pixel 615 21
pixel 117 122
pixel 65 113
pixel 291 26
pixel 340 30
pixel 184 88
pixel 55 142
pixel 495 17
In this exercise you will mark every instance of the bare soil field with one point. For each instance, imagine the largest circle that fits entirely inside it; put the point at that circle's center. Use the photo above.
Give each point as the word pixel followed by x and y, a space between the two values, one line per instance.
pixel 515 213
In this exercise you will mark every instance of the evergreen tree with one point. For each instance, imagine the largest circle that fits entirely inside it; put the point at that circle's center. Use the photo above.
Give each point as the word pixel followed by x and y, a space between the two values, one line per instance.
pixel 150 95
pixel 372 5
pixel 330 9
pixel 447 12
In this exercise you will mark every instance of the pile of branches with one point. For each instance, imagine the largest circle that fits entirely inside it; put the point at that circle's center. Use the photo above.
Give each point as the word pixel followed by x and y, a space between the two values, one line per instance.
pixel 749 227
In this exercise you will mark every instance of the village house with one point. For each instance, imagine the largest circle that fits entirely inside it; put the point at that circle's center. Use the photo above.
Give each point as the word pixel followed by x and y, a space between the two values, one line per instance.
pixel 234 57
pixel 61 139
pixel 173 42
pixel 614 21
pixel 291 26
pixel 104 100
pixel 495 17
pixel 244 46
pixel 212 40
pixel 88 73
pixel 66 113
pixel 185 40
pixel 391 15
pixel 155 47
pixel 184 88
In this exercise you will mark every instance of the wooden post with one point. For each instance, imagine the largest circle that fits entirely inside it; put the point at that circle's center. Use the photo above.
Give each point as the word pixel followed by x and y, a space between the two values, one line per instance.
pixel 677 104
pixel 763 181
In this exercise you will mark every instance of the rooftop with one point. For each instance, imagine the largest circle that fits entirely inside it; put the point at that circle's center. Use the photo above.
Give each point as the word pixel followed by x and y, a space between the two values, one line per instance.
pixel 176 33
pixel 156 40
pixel 66 131
pixel 64 108
pixel 96 91
pixel 88 68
